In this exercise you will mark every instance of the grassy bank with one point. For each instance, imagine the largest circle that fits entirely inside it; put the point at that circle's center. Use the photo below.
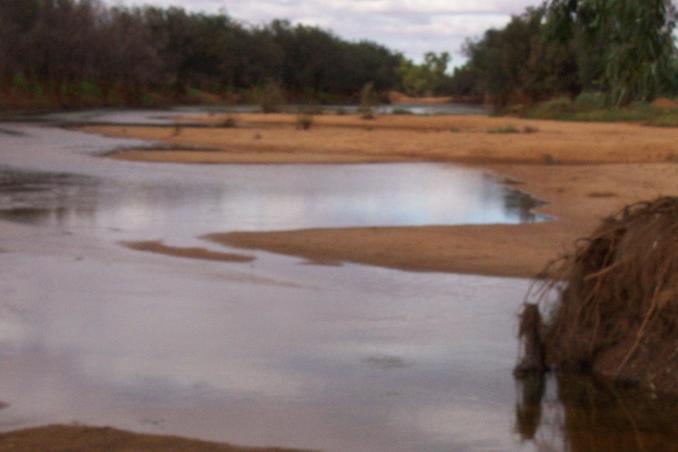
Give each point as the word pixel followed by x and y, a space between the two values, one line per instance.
pixel 592 108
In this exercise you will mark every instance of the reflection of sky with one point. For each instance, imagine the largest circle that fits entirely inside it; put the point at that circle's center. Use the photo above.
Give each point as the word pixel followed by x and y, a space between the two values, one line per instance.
pixel 284 197
pixel 116 342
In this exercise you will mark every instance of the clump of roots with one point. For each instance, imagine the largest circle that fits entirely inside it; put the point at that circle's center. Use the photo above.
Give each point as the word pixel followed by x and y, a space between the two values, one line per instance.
pixel 617 311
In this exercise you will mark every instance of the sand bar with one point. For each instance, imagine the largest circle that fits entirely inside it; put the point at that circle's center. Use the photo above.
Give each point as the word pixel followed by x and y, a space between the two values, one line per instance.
pixel 584 171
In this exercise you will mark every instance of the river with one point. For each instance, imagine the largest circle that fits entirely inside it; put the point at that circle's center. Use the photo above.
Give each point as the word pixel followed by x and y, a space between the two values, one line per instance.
pixel 277 351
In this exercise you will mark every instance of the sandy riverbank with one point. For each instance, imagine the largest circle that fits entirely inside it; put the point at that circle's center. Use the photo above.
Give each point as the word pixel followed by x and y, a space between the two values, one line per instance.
pixel 84 439
pixel 584 171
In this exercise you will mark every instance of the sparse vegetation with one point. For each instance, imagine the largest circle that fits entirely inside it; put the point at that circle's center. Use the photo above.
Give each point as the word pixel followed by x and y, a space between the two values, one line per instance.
pixel 227 123
pixel 269 97
pixel 504 129
pixel 304 121
pixel 564 109
pixel 368 100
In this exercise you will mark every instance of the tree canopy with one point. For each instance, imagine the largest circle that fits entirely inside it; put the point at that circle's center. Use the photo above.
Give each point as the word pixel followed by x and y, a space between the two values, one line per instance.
pixel 63 48
pixel 624 49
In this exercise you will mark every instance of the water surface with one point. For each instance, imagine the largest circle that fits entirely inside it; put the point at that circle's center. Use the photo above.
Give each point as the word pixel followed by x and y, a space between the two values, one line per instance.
pixel 276 351
pixel 257 198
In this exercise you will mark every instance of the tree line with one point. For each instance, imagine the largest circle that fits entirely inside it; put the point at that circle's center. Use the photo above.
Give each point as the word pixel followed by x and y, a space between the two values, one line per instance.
pixel 74 49
pixel 618 50
pixel 70 51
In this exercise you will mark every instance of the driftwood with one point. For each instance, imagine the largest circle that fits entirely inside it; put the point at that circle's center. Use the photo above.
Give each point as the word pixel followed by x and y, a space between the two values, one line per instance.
pixel 533 358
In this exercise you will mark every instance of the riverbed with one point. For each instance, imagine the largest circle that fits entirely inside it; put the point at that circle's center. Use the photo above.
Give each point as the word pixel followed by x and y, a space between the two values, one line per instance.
pixel 276 351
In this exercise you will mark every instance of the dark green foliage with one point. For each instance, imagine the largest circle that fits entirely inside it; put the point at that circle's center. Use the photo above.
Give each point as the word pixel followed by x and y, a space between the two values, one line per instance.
pixel 70 49
pixel 516 65
pixel 624 46
pixel 426 79
pixel 622 49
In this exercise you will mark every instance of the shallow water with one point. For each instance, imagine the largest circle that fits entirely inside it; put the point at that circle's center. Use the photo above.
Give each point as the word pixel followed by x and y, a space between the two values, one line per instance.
pixel 277 351
pixel 263 198
pixel 151 117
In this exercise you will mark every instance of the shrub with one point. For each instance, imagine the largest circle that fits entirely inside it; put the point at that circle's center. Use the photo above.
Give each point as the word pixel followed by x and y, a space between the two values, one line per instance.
pixel 270 97
pixel 90 90
pixel 589 100
pixel 368 99
pixel 227 123
pixel 20 83
pixel 505 129
pixel 304 121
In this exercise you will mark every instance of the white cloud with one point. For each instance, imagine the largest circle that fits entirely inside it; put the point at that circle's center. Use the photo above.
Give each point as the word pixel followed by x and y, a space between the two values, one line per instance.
pixel 411 26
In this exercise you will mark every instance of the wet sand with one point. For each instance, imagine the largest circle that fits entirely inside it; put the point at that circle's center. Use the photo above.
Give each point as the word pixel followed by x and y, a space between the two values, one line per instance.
pixel 190 253
pixel 78 438
pixel 584 171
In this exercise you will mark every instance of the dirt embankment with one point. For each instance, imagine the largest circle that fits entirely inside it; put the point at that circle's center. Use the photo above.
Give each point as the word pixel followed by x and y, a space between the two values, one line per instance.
pixel 618 312
pixel 86 439
pixel 584 172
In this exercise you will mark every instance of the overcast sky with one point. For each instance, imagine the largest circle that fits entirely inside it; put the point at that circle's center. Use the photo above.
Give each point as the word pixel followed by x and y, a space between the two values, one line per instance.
pixel 411 26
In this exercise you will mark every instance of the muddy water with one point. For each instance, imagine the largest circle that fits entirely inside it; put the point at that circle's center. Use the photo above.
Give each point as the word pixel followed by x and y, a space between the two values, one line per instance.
pixel 275 351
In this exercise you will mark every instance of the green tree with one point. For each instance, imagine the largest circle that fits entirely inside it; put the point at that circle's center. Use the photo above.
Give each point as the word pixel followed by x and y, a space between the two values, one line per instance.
pixel 426 78
pixel 631 41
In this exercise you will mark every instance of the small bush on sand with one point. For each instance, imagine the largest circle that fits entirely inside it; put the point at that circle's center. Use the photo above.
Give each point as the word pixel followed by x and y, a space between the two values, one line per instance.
pixel 304 121
pixel 668 119
pixel 617 307
pixel 590 100
pixel 553 108
pixel 402 111
pixel 270 97
pixel 228 123
pixel 368 100
pixel 505 129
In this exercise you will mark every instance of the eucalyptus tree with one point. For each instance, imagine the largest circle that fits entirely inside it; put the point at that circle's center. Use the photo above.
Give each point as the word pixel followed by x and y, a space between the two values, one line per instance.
pixel 625 46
